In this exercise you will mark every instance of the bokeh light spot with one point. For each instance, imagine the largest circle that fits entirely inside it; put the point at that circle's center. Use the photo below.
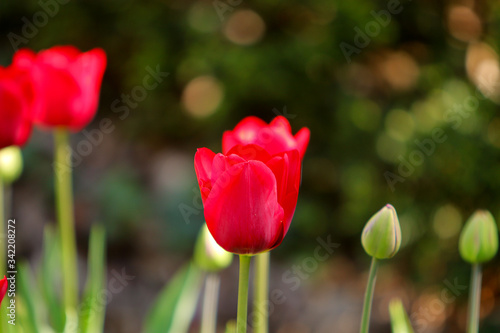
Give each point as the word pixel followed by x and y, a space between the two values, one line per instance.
pixel 400 125
pixel 493 132
pixel 245 27
pixel 487 301
pixel 464 24
pixel 389 149
pixel 201 17
pixel 447 221
pixel 483 69
pixel 428 113
pixel 365 115
pixel 400 70
pixel 202 96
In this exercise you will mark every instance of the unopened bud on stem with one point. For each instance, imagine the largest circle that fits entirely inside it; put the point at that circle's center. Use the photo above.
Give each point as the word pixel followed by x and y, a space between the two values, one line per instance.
pixel 382 234
pixel 479 238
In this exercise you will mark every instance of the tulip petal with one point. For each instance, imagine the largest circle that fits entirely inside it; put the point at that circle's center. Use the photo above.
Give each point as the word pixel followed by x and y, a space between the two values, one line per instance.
pixel 221 163
pixel 23 133
pixel 279 166
pixel 23 59
pixel 294 171
pixel 247 129
pixel 250 152
pixel 59 56
pixel 275 138
pixel 302 139
pixel 244 133
pixel 16 98
pixel 229 140
pixel 243 213
pixel 287 170
pixel 281 122
pixel 15 126
pixel 293 184
pixel 22 65
pixel 56 91
pixel 89 69
pixel 3 288
pixel 203 160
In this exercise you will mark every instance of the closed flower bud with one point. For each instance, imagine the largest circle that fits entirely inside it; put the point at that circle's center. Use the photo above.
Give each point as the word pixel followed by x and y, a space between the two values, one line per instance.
pixel 479 238
pixel 11 163
pixel 208 255
pixel 382 234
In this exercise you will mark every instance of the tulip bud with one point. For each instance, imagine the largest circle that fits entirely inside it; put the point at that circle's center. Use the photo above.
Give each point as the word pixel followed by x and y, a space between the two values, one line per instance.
pixel 11 163
pixel 382 234
pixel 479 238
pixel 208 255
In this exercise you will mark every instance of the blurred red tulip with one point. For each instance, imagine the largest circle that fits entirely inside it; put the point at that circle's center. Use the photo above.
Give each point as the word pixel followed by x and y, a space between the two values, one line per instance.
pixel 250 192
pixel 67 83
pixel 16 104
pixel 3 288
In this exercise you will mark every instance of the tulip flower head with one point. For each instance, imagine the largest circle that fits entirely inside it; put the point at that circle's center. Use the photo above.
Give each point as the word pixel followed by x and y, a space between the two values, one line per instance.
pixel 250 191
pixel 381 236
pixel 479 238
pixel 67 83
pixel 3 288
pixel 16 104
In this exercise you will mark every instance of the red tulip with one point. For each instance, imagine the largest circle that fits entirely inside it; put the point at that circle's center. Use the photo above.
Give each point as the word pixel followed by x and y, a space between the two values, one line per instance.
pixel 3 288
pixel 67 83
pixel 16 104
pixel 250 192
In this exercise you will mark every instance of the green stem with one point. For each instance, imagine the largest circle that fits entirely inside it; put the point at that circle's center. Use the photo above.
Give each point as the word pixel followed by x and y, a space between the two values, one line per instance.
pixel 210 300
pixel 367 306
pixel 7 202
pixel 64 205
pixel 474 298
pixel 261 292
pixel 241 319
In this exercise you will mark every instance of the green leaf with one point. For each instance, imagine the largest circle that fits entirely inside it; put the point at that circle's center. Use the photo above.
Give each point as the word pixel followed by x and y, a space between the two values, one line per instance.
pixel 176 305
pixel 399 319
pixel 4 325
pixel 26 300
pixel 50 278
pixel 92 309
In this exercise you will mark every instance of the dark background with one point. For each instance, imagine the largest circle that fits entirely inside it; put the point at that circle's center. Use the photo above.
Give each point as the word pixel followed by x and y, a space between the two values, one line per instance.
pixel 430 66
